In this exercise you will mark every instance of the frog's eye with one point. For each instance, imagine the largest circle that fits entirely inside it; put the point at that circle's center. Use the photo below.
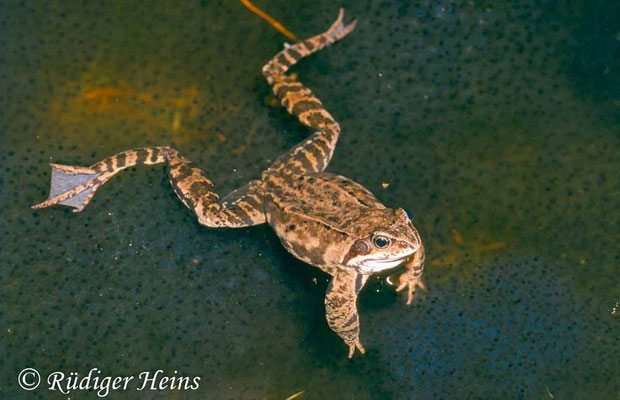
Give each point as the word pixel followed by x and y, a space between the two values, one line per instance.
pixel 381 241
pixel 409 215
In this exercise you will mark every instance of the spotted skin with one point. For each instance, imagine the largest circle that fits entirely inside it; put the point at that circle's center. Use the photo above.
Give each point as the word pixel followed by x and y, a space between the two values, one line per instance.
pixel 323 219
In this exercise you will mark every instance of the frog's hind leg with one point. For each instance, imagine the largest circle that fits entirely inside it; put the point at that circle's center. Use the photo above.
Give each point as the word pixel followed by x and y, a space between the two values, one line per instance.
pixel 75 186
pixel 67 178
pixel 313 154
pixel 291 54
pixel 240 208
pixel 341 308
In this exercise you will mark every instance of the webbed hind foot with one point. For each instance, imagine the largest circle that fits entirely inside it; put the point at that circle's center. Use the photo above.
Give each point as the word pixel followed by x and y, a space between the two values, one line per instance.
pixel 72 186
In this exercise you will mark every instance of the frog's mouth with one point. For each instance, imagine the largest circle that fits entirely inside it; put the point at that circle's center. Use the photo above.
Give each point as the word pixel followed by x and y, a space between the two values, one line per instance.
pixel 382 264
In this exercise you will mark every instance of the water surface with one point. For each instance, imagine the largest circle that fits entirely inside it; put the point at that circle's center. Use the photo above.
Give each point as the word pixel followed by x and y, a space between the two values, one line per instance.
pixel 495 124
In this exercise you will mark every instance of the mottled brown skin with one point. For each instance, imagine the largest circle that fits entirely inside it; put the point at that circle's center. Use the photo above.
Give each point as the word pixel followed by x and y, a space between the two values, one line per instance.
pixel 325 220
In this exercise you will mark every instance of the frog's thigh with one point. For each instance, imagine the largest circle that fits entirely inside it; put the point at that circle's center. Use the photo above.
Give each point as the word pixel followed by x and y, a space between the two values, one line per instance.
pixel 246 203
pixel 240 208
pixel 340 305
pixel 311 155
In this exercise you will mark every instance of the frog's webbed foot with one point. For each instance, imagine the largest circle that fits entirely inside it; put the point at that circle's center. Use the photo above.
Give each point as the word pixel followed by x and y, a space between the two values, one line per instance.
pixel 338 30
pixel 341 308
pixel 72 186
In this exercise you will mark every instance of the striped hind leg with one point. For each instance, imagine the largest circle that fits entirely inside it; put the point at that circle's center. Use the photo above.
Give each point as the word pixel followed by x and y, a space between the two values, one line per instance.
pixel 75 186
pixel 314 153
pixel 240 208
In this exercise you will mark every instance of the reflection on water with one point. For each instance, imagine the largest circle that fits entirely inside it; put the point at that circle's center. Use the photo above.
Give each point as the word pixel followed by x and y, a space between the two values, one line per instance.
pixel 88 101
pixel 493 123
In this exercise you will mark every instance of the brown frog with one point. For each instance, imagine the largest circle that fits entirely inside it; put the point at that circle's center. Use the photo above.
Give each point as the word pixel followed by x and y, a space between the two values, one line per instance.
pixel 325 220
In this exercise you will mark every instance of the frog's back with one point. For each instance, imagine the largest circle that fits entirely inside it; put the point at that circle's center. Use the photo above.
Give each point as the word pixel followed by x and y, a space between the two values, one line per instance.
pixel 314 214
pixel 325 197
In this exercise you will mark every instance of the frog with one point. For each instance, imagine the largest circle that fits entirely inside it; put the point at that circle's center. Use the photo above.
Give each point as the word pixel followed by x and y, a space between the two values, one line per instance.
pixel 323 219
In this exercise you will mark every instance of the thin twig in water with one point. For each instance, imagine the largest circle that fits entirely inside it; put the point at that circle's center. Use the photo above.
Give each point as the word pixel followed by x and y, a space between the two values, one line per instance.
pixel 270 20
pixel 296 395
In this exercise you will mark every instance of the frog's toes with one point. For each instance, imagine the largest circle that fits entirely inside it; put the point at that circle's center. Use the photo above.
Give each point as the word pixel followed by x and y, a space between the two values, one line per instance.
pixel 355 345
pixel 411 287
pixel 338 30
pixel 337 24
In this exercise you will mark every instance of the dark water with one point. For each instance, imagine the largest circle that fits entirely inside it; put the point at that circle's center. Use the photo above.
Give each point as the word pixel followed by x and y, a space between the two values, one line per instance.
pixel 496 124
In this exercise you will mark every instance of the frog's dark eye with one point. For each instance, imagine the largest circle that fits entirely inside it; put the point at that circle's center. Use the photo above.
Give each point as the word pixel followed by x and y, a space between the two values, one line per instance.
pixel 409 215
pixel 381 241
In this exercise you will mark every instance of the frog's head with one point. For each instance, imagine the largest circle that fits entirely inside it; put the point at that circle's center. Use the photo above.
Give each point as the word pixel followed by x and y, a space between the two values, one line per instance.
pixel 386 237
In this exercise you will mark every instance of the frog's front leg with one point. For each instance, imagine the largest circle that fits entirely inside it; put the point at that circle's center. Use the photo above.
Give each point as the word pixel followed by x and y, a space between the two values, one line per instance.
pixel 341 308
pixel 412 277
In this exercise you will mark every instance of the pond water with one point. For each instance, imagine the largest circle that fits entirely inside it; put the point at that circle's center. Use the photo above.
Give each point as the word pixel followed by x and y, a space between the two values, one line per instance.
pixel 494 123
